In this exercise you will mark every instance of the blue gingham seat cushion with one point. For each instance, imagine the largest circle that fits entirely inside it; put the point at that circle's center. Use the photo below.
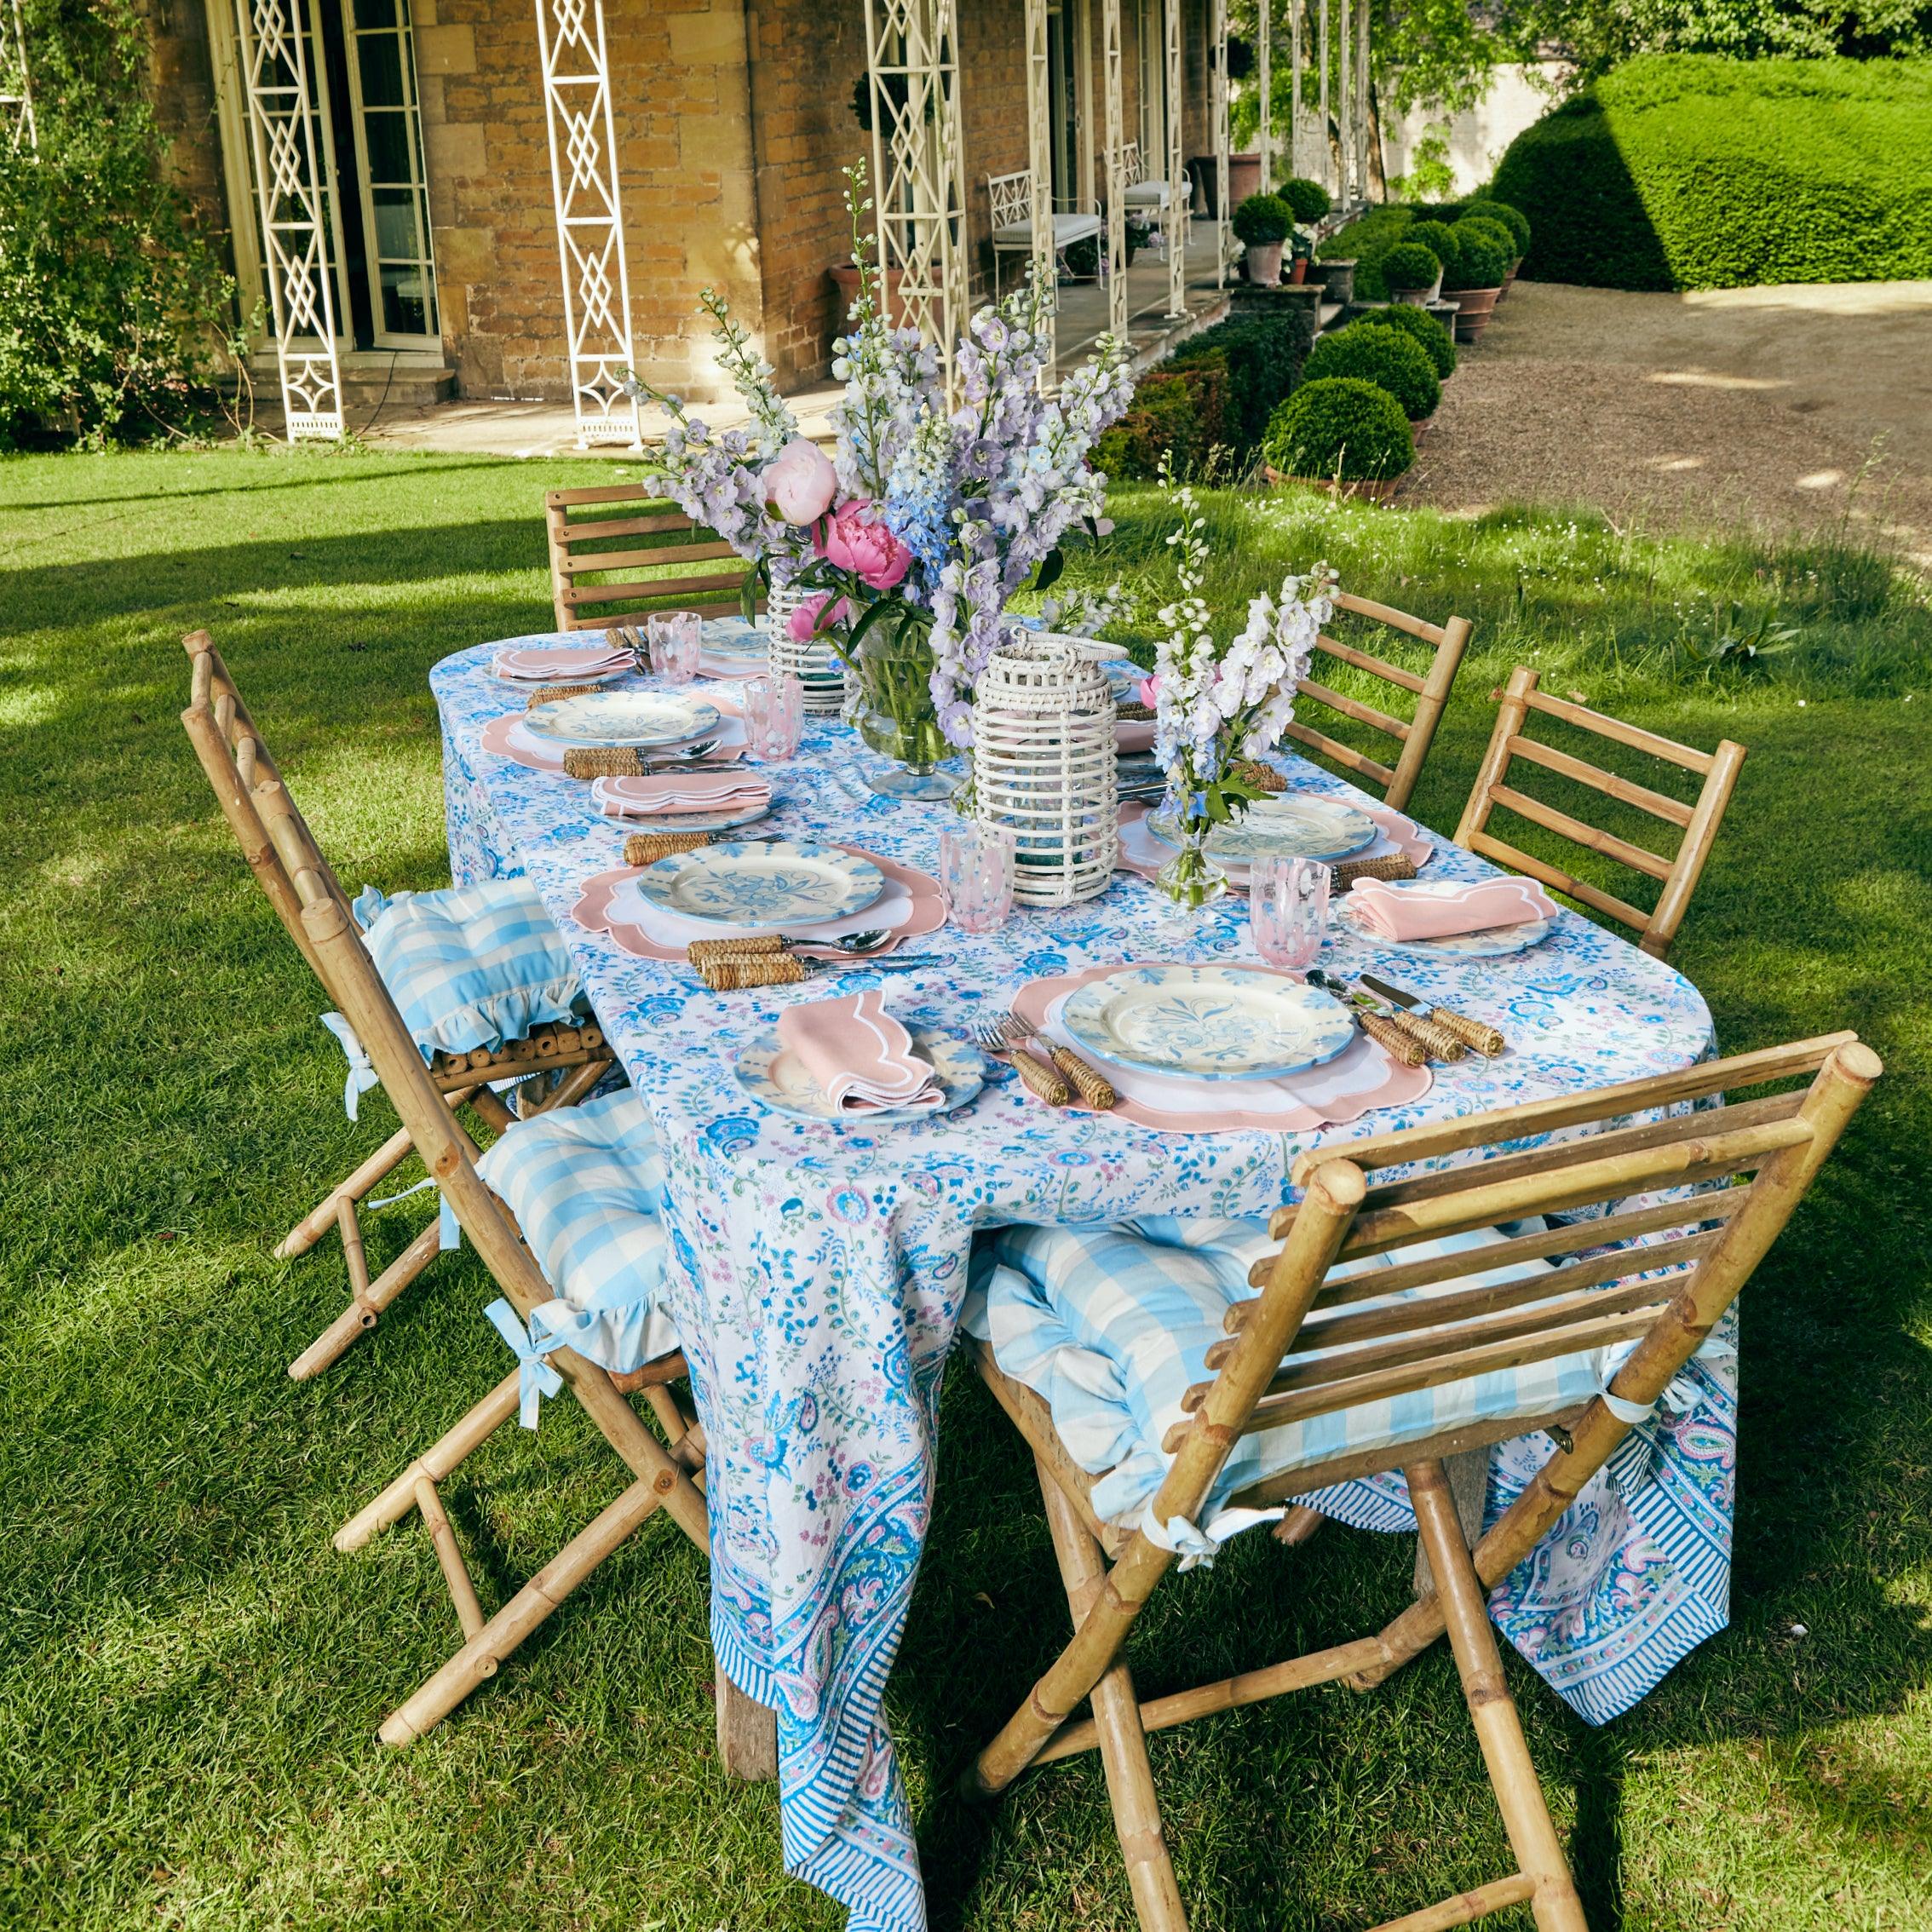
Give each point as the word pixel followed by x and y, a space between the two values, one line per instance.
pixel 587 1185
pixel 470 966
pixel 1110 1325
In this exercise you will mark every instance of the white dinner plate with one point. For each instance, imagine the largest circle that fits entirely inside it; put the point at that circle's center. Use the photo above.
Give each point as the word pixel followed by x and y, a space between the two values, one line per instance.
pixel 722 821
pixel 776 1079
pixel 621 717
pixel 1207 1023
pixel 765 884
pixel 1292 825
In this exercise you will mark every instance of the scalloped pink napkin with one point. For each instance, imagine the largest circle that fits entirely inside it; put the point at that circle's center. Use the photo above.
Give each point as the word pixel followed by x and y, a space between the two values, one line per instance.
pixel 558 663
pixel 860 1057
pixel 679 791
pixel 1439 910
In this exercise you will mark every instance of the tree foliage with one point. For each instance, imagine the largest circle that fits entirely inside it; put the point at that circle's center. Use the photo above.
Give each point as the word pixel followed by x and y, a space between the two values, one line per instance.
pixel 112 294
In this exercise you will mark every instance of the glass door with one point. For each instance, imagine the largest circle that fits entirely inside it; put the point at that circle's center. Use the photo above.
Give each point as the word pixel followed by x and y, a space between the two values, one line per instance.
pixel 385 113
pixel 1063 89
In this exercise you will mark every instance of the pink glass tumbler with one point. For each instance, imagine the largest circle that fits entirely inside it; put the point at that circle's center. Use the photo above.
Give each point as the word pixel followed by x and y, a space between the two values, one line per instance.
pixel 1288 909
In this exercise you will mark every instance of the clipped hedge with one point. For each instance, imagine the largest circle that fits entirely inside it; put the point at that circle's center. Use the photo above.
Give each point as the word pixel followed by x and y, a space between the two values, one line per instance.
pixel 1340 426
pixel 1384 356
pixel 1694 171
pixel 1216 392
pixel 1367 240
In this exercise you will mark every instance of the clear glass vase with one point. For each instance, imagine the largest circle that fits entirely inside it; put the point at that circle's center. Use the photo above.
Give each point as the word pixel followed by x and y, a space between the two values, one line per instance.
pixel 1190 878
pixel 892 710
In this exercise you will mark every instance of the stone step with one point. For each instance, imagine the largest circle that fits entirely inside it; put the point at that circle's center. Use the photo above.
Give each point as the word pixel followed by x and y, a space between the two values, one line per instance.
pixel 370 379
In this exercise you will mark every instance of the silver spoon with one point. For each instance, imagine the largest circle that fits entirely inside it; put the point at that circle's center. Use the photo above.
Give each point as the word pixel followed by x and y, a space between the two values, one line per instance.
pixel 683 754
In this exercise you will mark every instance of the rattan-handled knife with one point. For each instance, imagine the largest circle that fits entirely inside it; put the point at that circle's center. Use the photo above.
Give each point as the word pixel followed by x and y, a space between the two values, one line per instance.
pixel 1485 1039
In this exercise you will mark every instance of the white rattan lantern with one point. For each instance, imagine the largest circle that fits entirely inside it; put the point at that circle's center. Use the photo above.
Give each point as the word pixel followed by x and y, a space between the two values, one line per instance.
pixel 817 666
pixel 1042 765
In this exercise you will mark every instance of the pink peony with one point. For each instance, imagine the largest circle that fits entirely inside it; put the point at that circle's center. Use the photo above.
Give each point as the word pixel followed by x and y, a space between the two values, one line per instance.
pixel 804 623
pixel 1148 692
pixel 869 551
pixel 799 481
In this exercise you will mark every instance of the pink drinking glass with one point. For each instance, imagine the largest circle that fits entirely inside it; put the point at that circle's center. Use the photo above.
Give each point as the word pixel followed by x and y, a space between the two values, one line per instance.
pixel 774 715
pixel 675 639
pixel 1288 909
pixel 975 870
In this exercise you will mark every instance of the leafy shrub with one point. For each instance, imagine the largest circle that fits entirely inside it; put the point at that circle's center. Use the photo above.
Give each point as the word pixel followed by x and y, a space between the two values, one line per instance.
pixel 1493 232
pixel 112 295
pixel 1484 262
pixel 1262 356
pixel 1307 201
pixel 1443 211
pixel 1694 171
pixel 1422 328
pixel 1365 241
pixel 1409 264
pixel 1262 219
pixel 1385 357
pixel 1440 242
pixel 1340 426
pixel 1512 218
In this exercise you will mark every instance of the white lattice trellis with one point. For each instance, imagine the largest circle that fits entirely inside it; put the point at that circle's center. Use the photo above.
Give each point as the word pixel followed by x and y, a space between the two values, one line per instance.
pixel 1217 114
pixel 919 165
pixel 1180 230
pixel 16 94
pixel 294 238
pixel 1039 164
pixel 1115 127
pixel 1264 83
pixel 583 183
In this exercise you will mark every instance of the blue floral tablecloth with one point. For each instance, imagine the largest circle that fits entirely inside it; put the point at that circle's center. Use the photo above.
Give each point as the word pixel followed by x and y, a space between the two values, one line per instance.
pixel 819 1269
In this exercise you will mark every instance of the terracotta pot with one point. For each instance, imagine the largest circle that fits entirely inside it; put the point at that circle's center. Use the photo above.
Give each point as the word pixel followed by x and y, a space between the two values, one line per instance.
pixel 1264 264
pixel 846 277
pixel 1381 490
pixel 1298 271
pixel 1509 279
pixel 1417 425
pixel 1243 178
pixel 1473 308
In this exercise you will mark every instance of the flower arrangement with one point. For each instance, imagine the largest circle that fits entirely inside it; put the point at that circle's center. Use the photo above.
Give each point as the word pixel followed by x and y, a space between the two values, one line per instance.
pixel 1216 703
pixel 929 514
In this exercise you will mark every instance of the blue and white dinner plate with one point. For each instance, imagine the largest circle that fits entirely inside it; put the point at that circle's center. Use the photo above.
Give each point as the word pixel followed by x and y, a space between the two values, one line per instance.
pixel 763 883
pixel 732 637
pixel 1493 942
pixel 621 717
pixel 1207 1023
pixel 1290 825
pixel 774 1078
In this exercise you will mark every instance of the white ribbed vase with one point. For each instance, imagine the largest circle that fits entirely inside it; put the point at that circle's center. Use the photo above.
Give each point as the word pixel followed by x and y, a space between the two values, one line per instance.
pixel 818 667
pixel 1044 766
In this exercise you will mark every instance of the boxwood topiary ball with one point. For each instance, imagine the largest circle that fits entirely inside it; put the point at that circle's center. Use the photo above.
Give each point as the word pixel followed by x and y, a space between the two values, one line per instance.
pixel 1307 200
pixel 1425 329
pixel 1485 261
pixel 1385 357
pixel 1409 265
pixel 1263 218
pixel 1512 218
pixel 1490 231
pixel 1339 427
pixel 1439 240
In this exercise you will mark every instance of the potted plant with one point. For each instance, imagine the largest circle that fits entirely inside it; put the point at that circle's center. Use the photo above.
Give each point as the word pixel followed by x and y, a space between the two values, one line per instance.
pixel 1339 434
pixel 1477 282
pixel 1514 221
pixel 1410 271
pixel 1495 232
pixel 1437 342
pixel 1385 357
pixel 1308 202
pixel 1263 222
pixel 1440 242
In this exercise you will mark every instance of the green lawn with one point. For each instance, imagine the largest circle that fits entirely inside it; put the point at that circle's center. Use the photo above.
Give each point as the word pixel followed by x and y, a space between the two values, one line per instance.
pixel 190 1678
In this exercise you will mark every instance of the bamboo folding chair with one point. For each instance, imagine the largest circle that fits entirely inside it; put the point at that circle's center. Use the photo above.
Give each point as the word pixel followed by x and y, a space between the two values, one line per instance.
pixel 1699 821
pixel 1448 642
pixel 661 1478
pixel 567 1062
pixel 645 532
pixel 1701 1248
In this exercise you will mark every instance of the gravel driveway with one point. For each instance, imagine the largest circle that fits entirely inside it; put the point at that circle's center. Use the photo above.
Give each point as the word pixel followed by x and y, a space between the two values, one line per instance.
pixel 1793 408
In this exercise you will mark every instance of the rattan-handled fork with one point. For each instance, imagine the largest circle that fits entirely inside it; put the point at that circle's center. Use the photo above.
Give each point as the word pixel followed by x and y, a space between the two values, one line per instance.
pixel 990 1035
pixel 1088 1081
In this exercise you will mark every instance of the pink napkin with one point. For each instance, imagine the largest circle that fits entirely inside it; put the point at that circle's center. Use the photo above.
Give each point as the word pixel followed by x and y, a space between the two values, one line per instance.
pixel 1438 910
pixel 679 791
pixel 860 1056
pixel 559 664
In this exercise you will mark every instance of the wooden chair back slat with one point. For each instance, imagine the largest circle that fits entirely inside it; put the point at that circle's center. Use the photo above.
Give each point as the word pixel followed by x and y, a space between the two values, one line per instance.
pixel 1518 701
pixel 1448 641
pixel 1331 1354
pixel 234 756
pixel 580 547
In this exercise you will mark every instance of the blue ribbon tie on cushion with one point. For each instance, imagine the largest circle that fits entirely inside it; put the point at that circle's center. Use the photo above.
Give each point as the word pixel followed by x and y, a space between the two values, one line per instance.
pixel 536 1378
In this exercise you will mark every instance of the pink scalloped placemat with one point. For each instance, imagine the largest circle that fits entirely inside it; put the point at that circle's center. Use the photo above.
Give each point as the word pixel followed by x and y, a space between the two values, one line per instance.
pixel 593 910
pixel 1383 1082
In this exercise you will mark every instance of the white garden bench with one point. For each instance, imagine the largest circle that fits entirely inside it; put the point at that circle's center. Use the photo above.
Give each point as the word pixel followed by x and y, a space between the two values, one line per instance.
pixel 1012 197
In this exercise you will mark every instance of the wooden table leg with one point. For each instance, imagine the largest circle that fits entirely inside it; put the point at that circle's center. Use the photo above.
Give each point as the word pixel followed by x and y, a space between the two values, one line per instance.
pixel 747 1733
